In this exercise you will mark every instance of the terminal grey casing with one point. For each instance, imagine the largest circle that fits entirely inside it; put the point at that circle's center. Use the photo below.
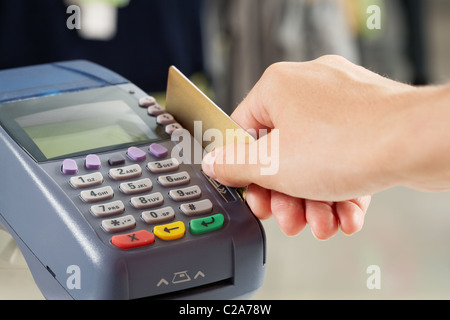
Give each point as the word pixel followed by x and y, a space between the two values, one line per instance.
pixel 42 213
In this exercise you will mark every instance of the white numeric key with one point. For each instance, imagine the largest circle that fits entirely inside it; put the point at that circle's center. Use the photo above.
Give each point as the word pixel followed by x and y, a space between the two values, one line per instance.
pixel 87 180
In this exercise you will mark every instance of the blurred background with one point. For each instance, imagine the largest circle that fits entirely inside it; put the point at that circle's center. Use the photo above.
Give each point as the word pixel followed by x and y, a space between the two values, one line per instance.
pixel 224 46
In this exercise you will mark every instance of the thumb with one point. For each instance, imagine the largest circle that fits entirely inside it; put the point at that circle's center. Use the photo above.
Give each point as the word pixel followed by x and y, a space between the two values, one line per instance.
pixel 238 165
pixel 226 165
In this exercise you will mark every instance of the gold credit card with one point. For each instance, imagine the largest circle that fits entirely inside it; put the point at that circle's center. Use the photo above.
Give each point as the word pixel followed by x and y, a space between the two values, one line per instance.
pixel 195 111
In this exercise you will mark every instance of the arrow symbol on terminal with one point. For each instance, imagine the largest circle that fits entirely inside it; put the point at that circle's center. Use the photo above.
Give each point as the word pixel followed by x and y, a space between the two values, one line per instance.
pixel 168 230
pixel 204 223
pixel 199 274
pixel 162 281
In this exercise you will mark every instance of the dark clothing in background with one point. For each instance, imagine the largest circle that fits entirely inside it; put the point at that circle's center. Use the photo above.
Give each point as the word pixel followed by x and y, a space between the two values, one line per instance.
pixel 151 36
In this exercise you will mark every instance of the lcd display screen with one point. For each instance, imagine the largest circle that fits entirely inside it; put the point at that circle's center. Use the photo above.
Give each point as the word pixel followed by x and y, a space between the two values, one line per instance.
pixel 81 127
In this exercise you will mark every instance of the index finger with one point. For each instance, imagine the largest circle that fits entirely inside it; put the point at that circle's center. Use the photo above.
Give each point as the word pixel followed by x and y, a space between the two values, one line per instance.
pixel 251 113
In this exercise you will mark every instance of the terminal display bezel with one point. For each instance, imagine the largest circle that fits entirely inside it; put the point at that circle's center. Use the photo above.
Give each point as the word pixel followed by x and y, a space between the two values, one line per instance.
pixel 12 112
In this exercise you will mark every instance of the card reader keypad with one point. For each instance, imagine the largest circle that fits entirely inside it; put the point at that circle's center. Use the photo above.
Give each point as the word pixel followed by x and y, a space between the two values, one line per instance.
pixel 141 214
pixel 157 211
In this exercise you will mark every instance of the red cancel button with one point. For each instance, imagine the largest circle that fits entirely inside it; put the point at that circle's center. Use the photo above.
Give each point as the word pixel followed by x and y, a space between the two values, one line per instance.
pixel 133 239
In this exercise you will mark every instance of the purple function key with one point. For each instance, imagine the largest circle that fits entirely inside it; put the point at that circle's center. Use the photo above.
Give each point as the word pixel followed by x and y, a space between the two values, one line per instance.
pixel 69 166
pixel 92 162
pixel 136 154
pixel 158 150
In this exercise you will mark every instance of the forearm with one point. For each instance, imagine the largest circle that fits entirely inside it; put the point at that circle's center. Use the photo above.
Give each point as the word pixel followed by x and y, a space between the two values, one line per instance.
pixel 420 149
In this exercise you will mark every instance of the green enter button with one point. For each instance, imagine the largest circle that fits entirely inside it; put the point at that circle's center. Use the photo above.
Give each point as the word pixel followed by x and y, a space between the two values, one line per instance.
pixel 207 224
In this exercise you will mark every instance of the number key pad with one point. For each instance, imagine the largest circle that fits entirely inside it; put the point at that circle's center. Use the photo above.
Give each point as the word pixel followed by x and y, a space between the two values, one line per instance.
pixel 127 172
pixel 131 195
pixel 87 180
pixel 147 201
pixel 158 215
pixel 188 193
pixel 99 194
pixel 137 186
pixel 163 166
pixel 108 209
pixel 172 180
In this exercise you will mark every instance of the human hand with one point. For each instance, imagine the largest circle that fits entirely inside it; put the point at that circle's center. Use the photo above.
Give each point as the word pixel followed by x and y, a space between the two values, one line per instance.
pixel 331 118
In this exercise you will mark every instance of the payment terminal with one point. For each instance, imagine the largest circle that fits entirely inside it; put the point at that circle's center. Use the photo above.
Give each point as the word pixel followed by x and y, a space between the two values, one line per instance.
pixel 99 205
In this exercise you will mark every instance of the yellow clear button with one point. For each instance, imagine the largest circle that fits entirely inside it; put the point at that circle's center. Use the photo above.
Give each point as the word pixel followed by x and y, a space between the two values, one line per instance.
pixel 170 231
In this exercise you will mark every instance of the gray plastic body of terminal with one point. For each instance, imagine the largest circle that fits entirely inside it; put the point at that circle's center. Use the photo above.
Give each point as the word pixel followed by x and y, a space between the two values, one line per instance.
pixel 68 252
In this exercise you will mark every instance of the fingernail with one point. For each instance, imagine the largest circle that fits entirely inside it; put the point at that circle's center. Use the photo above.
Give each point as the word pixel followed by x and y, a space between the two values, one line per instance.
pixel 208 164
